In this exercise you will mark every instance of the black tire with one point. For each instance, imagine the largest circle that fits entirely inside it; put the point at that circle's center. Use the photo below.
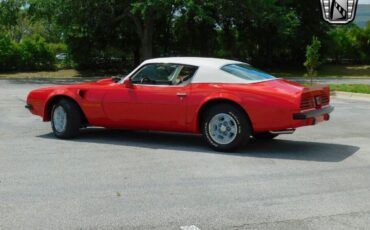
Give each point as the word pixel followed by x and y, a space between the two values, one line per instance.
pixel 265 136
pixel 244 128
pixel 73 119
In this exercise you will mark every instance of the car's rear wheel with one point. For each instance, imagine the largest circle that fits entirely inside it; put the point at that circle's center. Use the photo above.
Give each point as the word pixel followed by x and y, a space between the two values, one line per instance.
pixel 65 119
pixel 225 127
pixel 265 136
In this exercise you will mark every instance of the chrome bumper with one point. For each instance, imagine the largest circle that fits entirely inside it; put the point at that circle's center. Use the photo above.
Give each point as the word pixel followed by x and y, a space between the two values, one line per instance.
pixel 313 114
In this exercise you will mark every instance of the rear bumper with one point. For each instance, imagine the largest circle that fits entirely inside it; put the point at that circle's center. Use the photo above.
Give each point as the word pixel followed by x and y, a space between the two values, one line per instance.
pixel 313 114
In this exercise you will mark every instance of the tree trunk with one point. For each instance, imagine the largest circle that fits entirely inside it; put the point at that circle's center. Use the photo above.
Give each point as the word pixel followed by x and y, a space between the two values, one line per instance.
pixel 145 34
pixel 137 55
pixel 147 41
pixel 144 30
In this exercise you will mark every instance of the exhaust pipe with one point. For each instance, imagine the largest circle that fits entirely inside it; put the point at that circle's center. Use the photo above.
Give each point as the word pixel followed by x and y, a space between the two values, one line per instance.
pixel 286 131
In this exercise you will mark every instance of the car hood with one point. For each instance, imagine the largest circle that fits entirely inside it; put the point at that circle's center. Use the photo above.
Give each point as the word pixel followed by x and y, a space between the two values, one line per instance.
pixel 102 82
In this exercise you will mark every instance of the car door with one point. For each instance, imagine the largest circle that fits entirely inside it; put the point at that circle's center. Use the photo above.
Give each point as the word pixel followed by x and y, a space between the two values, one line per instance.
pixel 157 107
pixel 155 101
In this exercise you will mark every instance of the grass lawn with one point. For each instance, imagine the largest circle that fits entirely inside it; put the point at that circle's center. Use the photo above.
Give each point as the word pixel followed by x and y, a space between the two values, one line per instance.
pixel 59 74
pixel 345 71
pixel 357 88
pixel 67 73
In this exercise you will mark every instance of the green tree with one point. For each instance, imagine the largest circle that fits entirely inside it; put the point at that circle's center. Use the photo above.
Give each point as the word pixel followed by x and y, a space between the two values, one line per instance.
pixel 269 32
pixel 194 29
pixel 349 44
pixel 36 54
pixel 313 57
pixel 145 14
pixel 91 27
pixel 9 53
pixel 9 12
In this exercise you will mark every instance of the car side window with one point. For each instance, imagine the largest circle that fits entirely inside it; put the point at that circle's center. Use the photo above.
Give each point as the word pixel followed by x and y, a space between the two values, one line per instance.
pixel 246 72
pixel 156 74
pixel 185 75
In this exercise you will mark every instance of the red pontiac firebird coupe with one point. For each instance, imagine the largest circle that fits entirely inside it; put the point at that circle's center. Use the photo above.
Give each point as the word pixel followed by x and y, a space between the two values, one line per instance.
pixel 227 101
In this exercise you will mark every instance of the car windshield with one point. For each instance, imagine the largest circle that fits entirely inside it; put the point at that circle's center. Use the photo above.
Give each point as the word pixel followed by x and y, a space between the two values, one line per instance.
pixel 246 72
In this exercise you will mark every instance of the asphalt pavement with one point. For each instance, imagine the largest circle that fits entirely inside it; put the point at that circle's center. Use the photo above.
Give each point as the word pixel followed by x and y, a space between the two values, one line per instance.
pixel 317 178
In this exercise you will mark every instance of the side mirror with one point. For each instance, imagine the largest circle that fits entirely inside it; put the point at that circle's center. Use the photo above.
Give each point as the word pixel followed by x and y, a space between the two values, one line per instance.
pixel 127 83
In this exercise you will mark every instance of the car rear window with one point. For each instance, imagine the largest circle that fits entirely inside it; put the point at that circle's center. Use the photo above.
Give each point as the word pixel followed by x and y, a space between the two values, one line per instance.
pixel 246 72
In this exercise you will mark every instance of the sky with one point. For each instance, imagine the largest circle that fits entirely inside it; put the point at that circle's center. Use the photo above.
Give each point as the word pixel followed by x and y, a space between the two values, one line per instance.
pixel 364 1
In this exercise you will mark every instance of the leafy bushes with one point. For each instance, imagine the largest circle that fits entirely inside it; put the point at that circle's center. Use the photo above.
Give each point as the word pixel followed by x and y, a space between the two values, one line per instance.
pixel 9 54
pixel 350 44
pixel 32 53
pixel 36 54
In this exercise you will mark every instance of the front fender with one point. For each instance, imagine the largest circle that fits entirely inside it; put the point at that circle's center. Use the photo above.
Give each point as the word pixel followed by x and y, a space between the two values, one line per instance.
pixel 68 93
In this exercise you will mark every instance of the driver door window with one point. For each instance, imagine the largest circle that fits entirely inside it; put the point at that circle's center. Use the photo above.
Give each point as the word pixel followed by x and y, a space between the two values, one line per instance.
pixel 156 74
pixel 164 74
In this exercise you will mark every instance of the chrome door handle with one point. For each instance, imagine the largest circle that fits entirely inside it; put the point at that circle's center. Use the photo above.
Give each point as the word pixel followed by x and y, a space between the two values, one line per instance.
pixel 181 94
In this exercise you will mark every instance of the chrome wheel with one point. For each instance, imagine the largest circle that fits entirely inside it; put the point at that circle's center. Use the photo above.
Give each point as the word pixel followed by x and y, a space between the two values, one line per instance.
pixel 59 119
pixel 223 128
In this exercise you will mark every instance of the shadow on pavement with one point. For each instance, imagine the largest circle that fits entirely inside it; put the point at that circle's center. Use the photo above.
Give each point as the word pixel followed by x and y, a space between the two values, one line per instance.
pixel 275 149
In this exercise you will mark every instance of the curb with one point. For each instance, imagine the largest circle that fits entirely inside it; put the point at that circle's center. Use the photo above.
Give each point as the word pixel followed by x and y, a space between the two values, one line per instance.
pixel 348 95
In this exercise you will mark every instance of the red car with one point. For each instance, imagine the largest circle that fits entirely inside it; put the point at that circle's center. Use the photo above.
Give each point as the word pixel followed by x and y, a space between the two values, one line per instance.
pixel 229 102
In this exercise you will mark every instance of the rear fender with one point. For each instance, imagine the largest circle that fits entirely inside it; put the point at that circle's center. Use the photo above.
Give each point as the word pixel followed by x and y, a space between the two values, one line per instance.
pixel 220 96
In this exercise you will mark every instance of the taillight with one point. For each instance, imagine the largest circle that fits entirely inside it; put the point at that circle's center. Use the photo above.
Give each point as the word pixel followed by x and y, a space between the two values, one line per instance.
pixel 325 98
pixel 307 103
pixel 314 100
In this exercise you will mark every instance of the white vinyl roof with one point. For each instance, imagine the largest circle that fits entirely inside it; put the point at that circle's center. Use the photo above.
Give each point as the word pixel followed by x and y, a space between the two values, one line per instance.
pixel 195 61
pixel 209 70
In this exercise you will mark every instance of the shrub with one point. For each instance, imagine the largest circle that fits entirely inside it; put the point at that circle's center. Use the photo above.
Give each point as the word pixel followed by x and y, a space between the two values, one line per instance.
pixel 36 54
pixel 9 54
pixel 57 48
pixel 350 44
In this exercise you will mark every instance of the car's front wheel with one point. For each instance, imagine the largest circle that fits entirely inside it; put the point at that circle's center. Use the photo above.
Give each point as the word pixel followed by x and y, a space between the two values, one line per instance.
pixel 65 119
pixel 225 127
